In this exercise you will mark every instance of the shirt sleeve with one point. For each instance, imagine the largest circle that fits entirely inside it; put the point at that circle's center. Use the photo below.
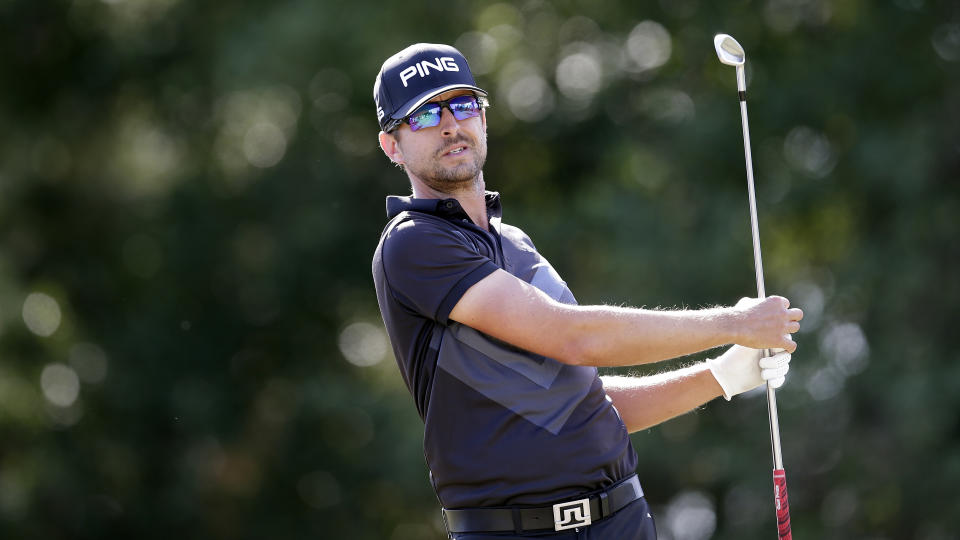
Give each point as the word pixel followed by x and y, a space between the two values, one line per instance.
pixel 428 267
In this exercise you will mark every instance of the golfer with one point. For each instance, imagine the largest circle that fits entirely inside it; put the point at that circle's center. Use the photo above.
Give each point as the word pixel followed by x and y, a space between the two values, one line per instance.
pixel 522 437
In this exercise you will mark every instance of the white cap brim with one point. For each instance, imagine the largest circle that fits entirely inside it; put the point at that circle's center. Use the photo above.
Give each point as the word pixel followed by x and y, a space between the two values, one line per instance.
pixel 418 101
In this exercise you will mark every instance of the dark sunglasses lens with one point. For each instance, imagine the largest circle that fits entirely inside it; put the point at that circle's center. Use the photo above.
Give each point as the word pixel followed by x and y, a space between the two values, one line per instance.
pixel 424 117
pixel 464 107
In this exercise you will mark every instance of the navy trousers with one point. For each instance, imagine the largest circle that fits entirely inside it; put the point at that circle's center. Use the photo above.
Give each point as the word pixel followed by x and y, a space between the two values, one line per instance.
pixel 632 522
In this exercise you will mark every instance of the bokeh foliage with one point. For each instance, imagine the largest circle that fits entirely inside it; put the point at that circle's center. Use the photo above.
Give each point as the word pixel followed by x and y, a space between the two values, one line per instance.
pixel 190 193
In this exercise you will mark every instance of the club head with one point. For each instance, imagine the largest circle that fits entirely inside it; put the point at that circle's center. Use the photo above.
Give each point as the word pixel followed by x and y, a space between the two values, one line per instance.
pixel 728 50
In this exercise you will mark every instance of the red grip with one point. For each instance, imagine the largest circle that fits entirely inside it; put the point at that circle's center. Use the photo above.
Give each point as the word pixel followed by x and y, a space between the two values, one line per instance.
pixel 783 505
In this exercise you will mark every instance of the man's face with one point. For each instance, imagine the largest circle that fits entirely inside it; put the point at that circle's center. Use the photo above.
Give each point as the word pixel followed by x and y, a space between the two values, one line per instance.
pixel 445 157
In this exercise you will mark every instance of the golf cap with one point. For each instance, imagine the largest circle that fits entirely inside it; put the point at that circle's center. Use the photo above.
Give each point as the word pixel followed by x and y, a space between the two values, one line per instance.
pixel 415 75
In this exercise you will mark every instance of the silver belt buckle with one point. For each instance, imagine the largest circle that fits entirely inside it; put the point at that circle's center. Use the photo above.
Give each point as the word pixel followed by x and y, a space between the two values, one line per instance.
pixel 568 515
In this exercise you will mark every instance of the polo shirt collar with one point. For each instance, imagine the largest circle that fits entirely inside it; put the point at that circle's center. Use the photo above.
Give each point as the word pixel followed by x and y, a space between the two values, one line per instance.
pixel 445 208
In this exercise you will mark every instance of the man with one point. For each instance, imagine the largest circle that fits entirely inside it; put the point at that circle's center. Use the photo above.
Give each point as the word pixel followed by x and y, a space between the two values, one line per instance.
pixel 522 437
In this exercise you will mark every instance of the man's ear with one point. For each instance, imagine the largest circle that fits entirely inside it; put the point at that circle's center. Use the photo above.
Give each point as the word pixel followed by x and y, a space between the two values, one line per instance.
pixel 391 147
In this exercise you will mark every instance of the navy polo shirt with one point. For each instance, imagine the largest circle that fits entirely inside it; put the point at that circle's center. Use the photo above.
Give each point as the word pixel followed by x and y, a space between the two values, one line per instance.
pixel 502 426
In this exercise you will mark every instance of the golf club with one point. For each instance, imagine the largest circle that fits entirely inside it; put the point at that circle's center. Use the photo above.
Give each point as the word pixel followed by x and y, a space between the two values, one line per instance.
pixel 731 53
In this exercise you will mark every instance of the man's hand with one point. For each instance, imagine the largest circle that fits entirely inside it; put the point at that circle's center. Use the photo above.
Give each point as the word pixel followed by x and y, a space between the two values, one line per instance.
pixel 741 369
pixel 766 323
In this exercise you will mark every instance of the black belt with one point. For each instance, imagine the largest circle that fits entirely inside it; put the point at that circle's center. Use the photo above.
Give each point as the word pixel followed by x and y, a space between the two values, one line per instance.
pixel 560 516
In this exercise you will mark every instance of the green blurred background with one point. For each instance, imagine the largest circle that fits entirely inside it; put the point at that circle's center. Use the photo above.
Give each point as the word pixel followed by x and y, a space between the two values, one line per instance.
pixel 191 192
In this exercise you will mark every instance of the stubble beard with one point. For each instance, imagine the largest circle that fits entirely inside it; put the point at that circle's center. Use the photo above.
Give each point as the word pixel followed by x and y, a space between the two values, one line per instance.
pixel 453 178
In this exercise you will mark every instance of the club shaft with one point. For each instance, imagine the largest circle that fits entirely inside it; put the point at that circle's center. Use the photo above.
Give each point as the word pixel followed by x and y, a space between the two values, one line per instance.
pixel 758 267
pixel 754 227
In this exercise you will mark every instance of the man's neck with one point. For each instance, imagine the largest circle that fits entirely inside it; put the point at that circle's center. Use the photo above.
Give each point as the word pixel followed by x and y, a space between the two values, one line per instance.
pixel 472 197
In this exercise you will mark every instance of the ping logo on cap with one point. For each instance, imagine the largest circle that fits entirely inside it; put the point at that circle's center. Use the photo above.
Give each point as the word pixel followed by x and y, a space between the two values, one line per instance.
pixel 443 63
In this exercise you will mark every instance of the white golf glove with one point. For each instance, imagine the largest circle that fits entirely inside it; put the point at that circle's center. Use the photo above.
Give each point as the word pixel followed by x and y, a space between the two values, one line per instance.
pixel 740 369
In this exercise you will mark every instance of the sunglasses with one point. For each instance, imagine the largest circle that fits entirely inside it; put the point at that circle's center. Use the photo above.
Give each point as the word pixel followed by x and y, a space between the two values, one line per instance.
pixel 462 107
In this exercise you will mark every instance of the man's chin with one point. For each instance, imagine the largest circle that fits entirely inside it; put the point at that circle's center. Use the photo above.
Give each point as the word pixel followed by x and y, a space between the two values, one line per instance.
pixel 450 184
pixel 459 177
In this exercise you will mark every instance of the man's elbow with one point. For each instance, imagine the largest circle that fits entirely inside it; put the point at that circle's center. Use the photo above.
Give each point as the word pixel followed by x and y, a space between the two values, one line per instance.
pixel 581 351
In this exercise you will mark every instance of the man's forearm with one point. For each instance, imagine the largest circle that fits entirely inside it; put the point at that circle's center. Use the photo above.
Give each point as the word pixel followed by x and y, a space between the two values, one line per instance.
pixel 644 402
pixel 613 336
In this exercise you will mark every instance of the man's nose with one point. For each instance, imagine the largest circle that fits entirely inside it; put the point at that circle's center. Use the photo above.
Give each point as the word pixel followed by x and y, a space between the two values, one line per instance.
pixel 448 124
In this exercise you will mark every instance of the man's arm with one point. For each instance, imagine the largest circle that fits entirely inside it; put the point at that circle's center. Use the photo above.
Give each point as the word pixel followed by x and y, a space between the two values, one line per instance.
pixel 647 401
pixel 514 311
pixel 644 402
